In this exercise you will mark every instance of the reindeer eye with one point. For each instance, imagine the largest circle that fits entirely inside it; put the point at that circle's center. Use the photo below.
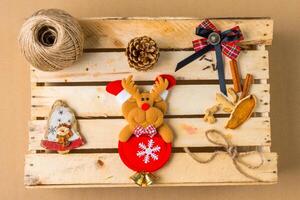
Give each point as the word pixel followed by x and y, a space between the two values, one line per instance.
pixel 142 99
pixel 147 99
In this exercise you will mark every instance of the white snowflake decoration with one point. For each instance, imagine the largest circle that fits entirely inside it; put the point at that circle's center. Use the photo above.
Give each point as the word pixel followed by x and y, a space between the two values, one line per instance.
pixel 148 151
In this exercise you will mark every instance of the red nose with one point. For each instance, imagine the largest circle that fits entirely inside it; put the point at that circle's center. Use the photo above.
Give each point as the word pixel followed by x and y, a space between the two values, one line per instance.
pixel 145 106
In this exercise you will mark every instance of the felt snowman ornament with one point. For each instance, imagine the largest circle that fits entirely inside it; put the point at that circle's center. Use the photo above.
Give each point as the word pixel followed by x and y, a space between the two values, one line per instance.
pixel 145 142
pixel 62 133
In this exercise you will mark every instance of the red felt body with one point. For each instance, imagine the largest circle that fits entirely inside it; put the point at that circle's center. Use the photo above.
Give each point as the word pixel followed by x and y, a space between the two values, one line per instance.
pixel 128 153
pixel 58 147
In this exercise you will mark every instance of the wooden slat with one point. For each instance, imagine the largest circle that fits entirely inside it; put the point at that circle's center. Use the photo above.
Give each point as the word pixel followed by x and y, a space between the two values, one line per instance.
pixel 108 66
pixel 55 169
pixel 90 101
pixel 102 133
pixel 154 185
pixel 169 33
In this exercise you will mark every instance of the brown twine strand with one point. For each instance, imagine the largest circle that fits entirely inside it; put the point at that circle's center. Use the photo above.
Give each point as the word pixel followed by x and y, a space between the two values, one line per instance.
pixel 51 40
pixel 232 152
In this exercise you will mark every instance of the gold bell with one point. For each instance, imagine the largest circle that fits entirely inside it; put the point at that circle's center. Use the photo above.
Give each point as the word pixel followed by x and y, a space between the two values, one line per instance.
pixel 149 179
pixel 138 178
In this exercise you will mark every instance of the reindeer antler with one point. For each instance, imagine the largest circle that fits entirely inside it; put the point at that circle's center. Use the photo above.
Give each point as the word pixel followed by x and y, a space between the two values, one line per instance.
pixel 129 85
pixel 159 86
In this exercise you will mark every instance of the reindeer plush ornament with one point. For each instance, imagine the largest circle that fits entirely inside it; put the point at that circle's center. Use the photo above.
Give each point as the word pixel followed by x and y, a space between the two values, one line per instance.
pixel 145 142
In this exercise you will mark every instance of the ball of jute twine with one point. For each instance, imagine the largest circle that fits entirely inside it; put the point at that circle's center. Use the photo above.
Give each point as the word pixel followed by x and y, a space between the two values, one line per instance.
pixel 51 40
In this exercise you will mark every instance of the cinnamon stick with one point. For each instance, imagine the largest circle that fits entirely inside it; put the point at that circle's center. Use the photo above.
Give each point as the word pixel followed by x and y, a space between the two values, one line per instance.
pixel 237 87
pixel 246 86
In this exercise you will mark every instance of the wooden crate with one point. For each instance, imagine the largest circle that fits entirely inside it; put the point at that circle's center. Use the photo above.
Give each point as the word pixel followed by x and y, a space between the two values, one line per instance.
pixel 82 86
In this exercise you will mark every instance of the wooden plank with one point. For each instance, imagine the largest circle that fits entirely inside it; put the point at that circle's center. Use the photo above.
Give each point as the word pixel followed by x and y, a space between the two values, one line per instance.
pixel 93 101
pixel 55 169
pixel 155 185
pixel 108 66
pixel 103 133
pixel 168 33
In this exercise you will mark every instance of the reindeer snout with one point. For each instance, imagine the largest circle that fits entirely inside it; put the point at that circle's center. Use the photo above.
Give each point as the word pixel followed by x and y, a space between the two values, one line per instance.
pixel 145 106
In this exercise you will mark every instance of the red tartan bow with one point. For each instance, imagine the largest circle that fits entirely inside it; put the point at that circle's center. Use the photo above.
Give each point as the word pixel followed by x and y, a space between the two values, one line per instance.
pixel 229 48
pixel 221 42
pixel 149 130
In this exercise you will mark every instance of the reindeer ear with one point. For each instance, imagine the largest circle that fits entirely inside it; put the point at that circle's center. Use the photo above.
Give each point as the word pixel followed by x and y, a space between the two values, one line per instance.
pixel 158 99
pixel 161 105
pixel 127 106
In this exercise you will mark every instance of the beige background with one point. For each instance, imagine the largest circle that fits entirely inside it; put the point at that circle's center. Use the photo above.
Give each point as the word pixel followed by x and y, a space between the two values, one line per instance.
pixel 285 94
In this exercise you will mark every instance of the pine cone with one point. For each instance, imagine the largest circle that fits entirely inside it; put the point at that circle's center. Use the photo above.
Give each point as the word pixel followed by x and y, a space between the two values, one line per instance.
pixel 142 53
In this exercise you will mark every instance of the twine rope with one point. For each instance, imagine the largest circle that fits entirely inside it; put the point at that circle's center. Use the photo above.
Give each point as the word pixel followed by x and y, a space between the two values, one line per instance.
pixel 51 40
pixel 231 150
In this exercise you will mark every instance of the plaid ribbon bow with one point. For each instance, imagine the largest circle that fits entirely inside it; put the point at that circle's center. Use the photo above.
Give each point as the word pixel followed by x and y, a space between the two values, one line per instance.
pixel 149 130
pixel 213 39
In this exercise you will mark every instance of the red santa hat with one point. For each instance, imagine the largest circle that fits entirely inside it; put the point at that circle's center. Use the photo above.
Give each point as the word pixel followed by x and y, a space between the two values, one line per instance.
pixel 172 83
pixel 116 88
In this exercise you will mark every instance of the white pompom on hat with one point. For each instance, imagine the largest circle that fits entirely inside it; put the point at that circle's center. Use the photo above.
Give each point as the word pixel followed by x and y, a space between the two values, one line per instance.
pixel 116 88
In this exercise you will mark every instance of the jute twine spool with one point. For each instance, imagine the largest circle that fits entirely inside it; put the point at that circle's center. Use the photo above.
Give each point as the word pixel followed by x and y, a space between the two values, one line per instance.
pixel 51 40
